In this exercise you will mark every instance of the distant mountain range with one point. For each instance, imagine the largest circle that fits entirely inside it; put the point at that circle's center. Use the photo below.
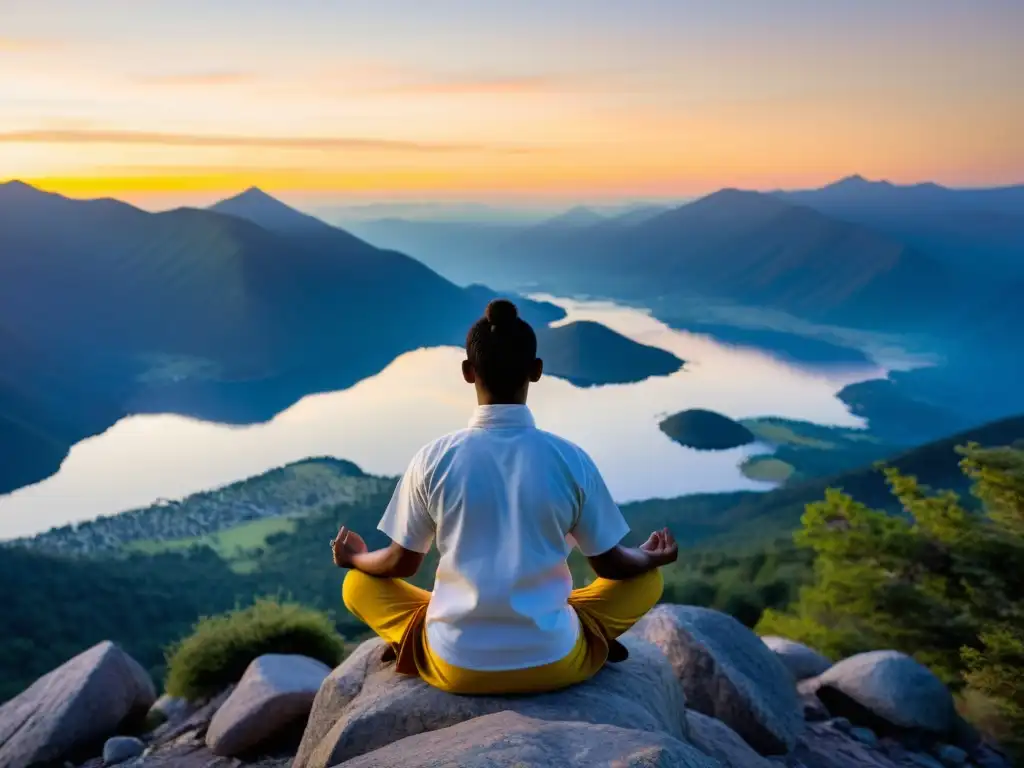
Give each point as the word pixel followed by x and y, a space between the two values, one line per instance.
pixel 856 253
pixel 980 229
pixel 229 314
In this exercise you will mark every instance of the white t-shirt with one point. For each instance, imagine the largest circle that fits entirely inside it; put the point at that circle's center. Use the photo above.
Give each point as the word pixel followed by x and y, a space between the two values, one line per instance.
pixel 506 503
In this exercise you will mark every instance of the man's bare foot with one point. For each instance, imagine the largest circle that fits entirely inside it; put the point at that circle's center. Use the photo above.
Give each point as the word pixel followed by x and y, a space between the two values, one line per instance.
pixel 617 652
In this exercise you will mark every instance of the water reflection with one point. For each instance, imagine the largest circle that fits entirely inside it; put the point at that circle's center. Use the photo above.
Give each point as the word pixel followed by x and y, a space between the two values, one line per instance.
pixel 382 420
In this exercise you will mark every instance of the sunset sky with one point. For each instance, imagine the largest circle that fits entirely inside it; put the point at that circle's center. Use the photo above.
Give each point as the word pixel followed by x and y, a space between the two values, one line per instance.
pixel 189 100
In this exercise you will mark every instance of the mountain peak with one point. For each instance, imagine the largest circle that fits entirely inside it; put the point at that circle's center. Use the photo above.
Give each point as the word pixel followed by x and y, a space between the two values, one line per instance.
pixel 267 211
pixel 576 217
pixel 18 187
pixel 253 196
pixel 856 183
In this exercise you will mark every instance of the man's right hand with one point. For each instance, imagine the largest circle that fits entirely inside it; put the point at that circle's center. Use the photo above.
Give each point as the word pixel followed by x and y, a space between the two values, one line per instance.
pixel 661 547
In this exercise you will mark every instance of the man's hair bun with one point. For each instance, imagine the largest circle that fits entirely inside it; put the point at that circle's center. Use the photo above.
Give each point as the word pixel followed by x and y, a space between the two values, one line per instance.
pixel 501 312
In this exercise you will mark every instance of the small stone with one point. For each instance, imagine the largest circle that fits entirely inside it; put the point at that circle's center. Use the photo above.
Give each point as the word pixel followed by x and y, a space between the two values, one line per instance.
pixel 120 749
pixel 841 724
pixel 949 755
pixel 865 736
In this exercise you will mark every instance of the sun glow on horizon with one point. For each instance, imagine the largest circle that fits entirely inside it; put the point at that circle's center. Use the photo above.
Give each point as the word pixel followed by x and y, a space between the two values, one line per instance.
pixel 604 102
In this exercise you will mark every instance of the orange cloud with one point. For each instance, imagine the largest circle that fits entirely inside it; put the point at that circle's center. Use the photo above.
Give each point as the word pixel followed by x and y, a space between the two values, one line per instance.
pixel 83 136
pixel 197 79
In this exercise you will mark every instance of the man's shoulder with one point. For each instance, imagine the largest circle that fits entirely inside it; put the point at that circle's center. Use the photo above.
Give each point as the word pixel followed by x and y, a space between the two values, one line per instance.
pixel 433 451
pixel 578 458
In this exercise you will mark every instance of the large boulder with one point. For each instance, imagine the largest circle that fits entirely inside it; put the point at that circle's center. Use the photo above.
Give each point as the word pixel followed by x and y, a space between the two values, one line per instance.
pixel 74 708
pixel 512 740
pixel 801 661
pixel 887 690
pixel 727 673
pixel 365 705
pixel 716 739
pixel 275 693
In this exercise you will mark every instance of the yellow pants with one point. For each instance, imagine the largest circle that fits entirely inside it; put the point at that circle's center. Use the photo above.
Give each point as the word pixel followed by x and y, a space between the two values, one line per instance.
pixel 396 611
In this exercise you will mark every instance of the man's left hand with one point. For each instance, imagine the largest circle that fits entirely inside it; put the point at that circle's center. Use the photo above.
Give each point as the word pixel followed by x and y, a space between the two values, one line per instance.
pixel 345 546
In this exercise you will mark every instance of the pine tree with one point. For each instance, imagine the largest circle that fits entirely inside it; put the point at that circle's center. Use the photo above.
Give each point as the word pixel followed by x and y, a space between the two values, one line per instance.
pixel 943 581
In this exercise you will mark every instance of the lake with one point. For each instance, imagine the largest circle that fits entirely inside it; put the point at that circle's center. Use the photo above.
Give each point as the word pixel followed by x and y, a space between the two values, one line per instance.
pixel 381 421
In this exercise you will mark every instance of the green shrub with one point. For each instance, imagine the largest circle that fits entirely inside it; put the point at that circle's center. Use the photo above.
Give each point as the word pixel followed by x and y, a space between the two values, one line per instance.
pixel 220 647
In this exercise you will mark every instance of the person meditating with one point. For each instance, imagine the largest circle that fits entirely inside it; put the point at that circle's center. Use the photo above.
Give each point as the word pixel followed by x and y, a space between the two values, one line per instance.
pixel 505 502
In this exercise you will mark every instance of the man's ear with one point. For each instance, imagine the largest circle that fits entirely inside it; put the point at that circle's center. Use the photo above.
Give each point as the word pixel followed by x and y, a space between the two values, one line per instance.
pixel 468 372
pixel 537 371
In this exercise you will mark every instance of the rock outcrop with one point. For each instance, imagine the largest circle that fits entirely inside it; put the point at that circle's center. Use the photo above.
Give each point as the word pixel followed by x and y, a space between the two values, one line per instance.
pixel 801 661
pixel 727 673
pixel 275 693
pixel 365 706
pixel 74 708
pixel 886 690
pixel 512 740
pixel 876 710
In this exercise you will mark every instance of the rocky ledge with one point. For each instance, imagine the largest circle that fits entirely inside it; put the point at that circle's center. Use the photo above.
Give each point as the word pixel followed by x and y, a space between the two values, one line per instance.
pixel 698 689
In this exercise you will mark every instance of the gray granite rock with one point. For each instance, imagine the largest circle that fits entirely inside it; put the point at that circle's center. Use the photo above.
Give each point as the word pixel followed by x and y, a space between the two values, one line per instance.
pixel 76 706
pixel 728 673
pixel 801 661
pixel 120 749
pixel 364 705
pixel 276 691
pixel 822 746
pixel 338 690
pixel 891 687
pixel 512 740
pixel 715 739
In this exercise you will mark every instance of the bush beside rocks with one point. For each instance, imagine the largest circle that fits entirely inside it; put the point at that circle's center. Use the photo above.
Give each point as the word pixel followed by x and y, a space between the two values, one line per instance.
pixel 220 648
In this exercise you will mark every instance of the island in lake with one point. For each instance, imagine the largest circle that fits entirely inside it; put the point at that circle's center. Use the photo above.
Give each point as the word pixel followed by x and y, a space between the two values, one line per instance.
pixel 706 430
pixel 586 354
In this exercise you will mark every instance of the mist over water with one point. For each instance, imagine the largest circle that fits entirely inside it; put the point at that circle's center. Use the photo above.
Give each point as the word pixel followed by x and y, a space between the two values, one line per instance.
pixel 381 421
